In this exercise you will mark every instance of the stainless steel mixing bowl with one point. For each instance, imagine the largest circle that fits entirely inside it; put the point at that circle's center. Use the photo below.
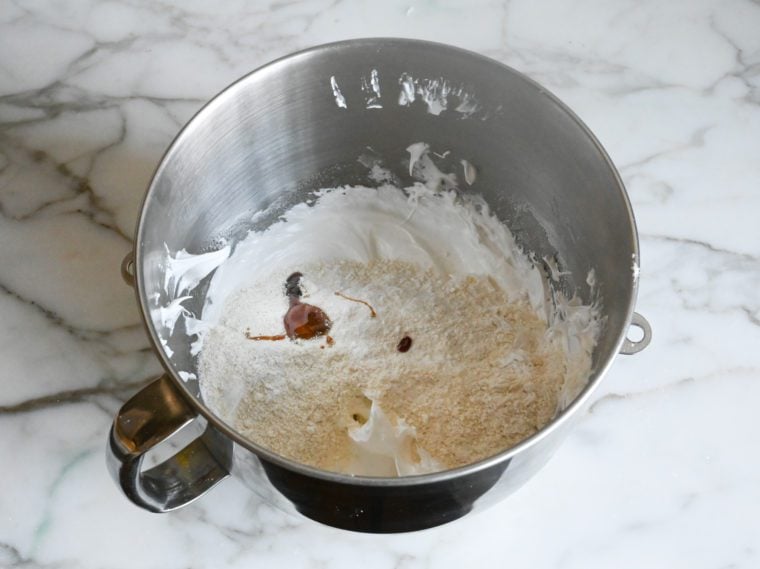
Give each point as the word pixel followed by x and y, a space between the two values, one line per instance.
pixel 299 124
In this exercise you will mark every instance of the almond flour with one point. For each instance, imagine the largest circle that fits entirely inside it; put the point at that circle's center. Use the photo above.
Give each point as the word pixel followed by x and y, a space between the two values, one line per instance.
pixel 479 373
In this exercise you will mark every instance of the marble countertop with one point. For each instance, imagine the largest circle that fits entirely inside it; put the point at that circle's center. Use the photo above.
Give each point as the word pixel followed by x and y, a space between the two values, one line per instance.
pixel 662 471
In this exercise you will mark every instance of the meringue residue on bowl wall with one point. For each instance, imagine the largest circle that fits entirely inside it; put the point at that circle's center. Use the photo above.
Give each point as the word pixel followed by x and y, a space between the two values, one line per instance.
pixel 436 93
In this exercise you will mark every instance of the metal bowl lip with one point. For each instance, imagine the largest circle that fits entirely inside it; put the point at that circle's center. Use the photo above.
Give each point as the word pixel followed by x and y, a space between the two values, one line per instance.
pixel 374 481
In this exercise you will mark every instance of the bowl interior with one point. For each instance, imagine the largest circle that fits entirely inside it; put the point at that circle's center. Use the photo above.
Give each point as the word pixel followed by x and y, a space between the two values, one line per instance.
pixel 312 120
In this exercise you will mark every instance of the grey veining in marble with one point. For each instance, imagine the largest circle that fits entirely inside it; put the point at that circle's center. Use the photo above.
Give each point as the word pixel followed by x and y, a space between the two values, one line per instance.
pixel 663 470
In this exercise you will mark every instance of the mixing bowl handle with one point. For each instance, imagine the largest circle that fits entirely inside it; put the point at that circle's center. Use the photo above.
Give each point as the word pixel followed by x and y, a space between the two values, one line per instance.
pixel 149 418
pixel 629 346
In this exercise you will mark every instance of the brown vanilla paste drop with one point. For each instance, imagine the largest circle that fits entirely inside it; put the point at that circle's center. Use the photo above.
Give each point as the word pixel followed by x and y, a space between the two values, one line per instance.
pixel 274 338
pixel 303 321
pixel 372 311
pixel 293 285
pixel 404 344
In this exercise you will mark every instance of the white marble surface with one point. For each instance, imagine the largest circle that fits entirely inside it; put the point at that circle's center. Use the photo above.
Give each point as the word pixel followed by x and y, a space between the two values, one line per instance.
pixel 663 471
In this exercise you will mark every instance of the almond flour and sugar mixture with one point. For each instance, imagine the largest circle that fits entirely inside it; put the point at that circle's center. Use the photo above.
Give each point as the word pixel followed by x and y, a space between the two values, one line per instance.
pixel 478 377
pixel 388 332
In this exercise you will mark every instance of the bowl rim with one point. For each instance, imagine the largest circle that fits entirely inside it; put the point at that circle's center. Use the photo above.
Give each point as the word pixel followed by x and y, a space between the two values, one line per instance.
pixel 375 481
